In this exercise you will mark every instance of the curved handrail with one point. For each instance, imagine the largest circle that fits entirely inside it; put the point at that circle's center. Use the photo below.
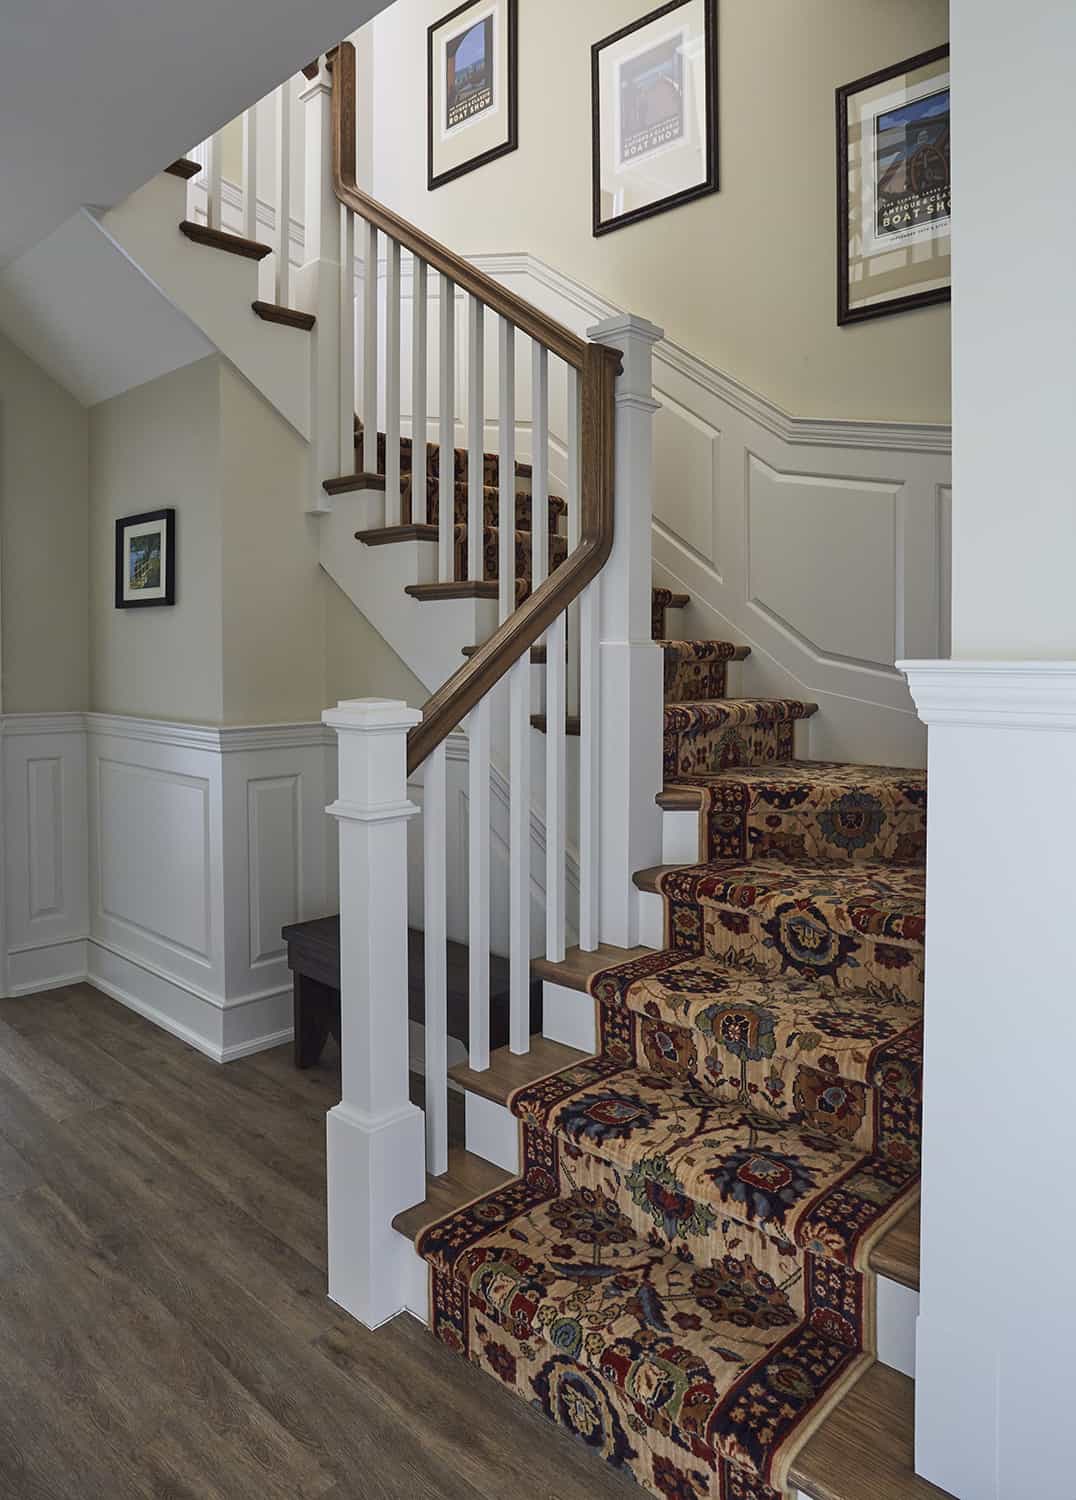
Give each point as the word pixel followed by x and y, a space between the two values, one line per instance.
pixel 598 366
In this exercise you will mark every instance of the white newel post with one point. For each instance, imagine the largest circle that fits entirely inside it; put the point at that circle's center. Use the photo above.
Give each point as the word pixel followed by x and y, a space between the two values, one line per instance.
pixel 631 665
pixel 376 1145
pixel 317 286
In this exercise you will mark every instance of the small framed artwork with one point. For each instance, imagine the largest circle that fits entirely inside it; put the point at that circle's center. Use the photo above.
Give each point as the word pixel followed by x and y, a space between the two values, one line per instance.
pixel 893 191
pixel 473 88
pixel 654 109
pixel 146 560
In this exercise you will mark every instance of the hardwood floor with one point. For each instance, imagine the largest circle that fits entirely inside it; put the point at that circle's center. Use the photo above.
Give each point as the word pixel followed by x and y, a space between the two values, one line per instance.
pixel 164 1329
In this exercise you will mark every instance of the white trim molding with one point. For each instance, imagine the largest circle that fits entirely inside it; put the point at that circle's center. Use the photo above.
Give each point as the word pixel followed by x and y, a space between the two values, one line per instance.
pixel 160 861
pixel 994 694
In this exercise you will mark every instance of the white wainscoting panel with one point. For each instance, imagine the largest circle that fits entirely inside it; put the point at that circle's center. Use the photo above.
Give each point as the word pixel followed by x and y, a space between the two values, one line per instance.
pixel 44 831
pixel 161 861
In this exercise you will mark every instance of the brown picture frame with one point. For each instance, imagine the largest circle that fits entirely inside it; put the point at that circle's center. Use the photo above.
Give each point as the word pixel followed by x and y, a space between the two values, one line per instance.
pixel 847 314
pixel 677 199
pixel 434 178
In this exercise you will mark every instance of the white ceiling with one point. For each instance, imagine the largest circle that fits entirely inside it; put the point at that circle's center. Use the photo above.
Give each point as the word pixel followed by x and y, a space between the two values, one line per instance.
pixel 96 96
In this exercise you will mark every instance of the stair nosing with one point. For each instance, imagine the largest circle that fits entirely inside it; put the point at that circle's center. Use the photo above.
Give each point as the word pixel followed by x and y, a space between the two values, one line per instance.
pixel 347 484
pixel 287 317
pixel 220 239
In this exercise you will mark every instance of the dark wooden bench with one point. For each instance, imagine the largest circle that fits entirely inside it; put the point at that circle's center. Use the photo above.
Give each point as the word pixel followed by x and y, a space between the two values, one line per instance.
pixel 314 960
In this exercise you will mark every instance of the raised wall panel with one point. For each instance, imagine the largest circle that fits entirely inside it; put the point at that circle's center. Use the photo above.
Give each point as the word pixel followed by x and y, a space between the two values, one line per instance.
pixel 822 560
pixel 45 830
pixel 274 843
pixel 153 870
pixel 687 456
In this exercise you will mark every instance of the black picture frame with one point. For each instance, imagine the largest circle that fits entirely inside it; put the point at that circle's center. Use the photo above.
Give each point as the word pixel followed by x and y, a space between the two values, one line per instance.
pixel 168 562
pixel 435 179
pixel 711 183
pixel 846 313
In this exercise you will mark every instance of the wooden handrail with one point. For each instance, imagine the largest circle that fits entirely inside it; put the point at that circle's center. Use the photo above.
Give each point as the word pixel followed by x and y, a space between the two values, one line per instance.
pixel 598 366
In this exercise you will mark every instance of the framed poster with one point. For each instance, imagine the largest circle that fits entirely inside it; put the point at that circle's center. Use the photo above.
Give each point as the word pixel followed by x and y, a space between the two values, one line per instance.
pixel 146 560
pixel 473 67
pixel 893 189
pixel 654 104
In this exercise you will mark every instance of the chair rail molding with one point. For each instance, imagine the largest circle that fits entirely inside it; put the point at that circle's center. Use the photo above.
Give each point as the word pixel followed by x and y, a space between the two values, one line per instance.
pixel 160 860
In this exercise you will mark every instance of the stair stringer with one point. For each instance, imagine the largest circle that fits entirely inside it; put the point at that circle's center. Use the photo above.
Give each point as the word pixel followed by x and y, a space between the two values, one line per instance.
pixel 215 291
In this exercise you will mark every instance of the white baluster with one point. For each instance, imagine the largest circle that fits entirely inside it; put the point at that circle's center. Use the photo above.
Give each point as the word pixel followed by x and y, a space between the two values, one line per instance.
pixel 393 302
pixel 435 916
pixel 478 891
pixel 369 352
pixel 572 499
pixel 347 340
pixel 376 1156
pixel 556 778
pixel 476 440
pixel 506 514
pixel 590 766
pixel 419 388
pixel 283 194
pixel 539 465
pixel 446 502
pixel 250 172
pixel 519 856
pixel 213 181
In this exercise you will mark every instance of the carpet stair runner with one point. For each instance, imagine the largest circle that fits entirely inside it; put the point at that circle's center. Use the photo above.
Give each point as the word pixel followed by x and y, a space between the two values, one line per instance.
pixel 679 1274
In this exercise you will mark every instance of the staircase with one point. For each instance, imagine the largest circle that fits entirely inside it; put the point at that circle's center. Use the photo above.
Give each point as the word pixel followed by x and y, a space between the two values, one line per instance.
pixel 671 1215
pixel 680 1273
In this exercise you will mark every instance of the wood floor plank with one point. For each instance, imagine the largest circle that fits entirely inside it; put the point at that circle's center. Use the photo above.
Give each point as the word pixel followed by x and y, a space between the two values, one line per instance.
pixel 51 1087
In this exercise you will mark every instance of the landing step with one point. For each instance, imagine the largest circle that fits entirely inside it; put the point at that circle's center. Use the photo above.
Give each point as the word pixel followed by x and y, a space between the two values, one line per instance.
pixel 866 1447
pixel 347 484
pixel 184 168
pixel 428 593
pixel 220 239
pixel 386 536
pixel 272 312
pixel 508 1071
pixel 468 1177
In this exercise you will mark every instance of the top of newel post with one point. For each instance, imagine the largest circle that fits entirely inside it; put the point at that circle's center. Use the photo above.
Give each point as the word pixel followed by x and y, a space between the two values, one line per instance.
pixel 372 716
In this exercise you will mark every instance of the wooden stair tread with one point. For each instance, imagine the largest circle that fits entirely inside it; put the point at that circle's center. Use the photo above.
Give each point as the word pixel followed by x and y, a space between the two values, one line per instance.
pixel 866 1447
pixel 508 1071
pixel 347 484
pixel 896 1255
pixel 429 593
pixel 184 168
pixel 220 239
pixel 272 312
pixel 468 1177
pixel 572 724
pixel 575 970
pixel 385 536
pixel 538 654
pixel 680 799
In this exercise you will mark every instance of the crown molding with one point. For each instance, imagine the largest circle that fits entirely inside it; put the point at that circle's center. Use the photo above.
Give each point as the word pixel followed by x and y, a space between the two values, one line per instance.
pixel 994 694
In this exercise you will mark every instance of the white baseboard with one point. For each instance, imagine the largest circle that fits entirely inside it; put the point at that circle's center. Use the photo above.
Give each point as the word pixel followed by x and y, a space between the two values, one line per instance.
pixel 46 966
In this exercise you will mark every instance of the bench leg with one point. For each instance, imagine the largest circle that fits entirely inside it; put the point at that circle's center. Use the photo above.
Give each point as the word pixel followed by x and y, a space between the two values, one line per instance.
pixel 316 1010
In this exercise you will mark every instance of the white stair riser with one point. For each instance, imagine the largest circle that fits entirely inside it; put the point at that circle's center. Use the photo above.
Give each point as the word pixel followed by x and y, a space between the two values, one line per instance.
pixel 492 1133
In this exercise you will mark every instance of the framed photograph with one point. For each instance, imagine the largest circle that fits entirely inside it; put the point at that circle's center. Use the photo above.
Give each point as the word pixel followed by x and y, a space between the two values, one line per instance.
pixel 893 191
pixel 473 77
pixel 146 560
pixel 655 114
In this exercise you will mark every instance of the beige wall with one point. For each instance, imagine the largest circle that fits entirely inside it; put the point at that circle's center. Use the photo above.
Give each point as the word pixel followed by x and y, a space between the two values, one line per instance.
pixel 258 633
pixel 160 446
pixel 44 579
pixel 745 279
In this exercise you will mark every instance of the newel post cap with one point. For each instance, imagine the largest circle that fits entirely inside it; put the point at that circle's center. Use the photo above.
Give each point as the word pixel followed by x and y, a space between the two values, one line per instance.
pixel 372 716
pixel 623 326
